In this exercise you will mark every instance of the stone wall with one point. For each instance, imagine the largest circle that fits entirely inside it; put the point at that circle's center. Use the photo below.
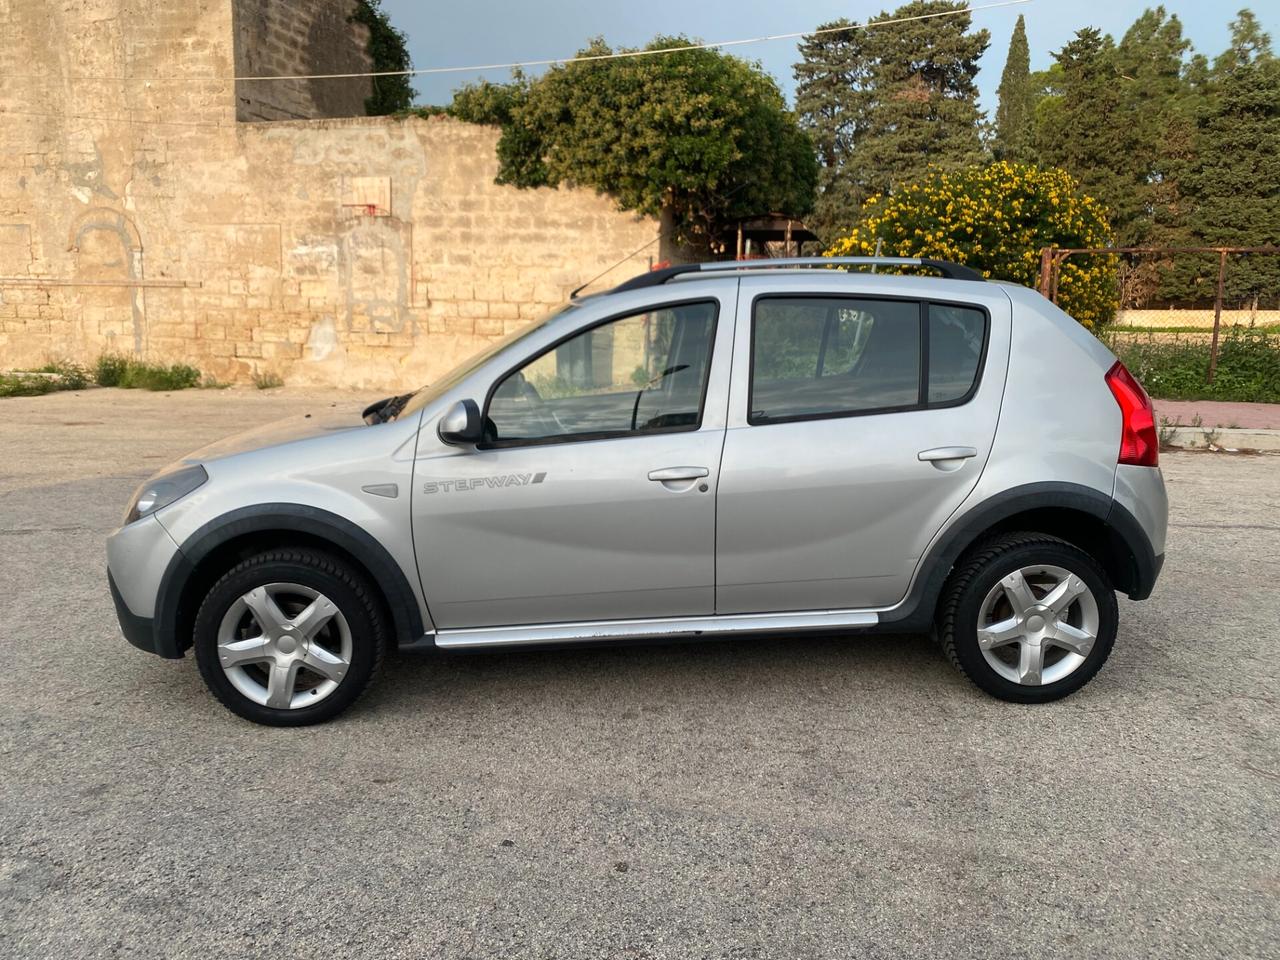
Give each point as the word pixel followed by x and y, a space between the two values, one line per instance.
pixel 281 38
pixel 138 216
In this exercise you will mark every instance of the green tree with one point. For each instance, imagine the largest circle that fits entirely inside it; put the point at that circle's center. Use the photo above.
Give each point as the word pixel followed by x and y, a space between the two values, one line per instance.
pixel 497 104
pixel 1121 118
pixel 1016 110
pixel 1077 128
pixel 1234 182
pixel 696 137
pixel 922 105
pixel 1157 125
pixel 489 103
pixel 1249 43
pixel 831 80
pixel 885 102
pixel 388 51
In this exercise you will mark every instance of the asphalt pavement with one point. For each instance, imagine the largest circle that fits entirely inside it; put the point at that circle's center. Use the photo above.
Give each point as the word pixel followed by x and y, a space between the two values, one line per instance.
pixel 765 799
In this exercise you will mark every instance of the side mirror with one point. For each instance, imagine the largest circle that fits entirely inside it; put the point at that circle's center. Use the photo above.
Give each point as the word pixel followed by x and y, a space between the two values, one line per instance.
pixel 461 425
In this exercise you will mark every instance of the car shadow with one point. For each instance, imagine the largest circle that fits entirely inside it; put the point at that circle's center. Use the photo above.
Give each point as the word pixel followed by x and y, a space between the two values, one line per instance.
pixel 606 677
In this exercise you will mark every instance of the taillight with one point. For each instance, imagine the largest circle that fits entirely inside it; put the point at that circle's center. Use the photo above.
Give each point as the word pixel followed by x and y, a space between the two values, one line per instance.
pixel 1139 443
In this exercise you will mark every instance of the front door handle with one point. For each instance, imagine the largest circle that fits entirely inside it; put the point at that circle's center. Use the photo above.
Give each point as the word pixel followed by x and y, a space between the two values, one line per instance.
pixel 947 453
pixel 678 473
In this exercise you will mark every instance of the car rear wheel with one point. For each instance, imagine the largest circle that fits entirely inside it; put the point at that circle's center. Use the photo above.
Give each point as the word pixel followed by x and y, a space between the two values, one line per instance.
pixel 1028 617
pixel 289 637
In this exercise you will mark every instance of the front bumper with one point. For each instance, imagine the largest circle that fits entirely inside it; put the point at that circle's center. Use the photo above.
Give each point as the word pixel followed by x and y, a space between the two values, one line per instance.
pixel 139 556
pixel 140 631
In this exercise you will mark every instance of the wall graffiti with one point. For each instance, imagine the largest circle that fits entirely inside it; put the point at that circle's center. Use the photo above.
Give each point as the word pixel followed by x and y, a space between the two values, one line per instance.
pixel 107 246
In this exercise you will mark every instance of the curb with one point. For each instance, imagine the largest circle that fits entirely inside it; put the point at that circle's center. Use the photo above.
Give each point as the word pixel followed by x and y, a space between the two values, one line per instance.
pixel 1220 438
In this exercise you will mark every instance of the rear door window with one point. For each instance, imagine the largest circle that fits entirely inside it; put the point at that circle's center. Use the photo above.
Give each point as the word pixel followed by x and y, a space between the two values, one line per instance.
pixel 814 357
pixel 819 357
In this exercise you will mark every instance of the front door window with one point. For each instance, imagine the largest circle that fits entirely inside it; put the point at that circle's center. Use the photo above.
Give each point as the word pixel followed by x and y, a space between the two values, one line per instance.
pixel 643 373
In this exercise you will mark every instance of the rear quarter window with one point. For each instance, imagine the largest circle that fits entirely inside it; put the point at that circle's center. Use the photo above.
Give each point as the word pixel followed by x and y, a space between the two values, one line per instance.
pixel 956 339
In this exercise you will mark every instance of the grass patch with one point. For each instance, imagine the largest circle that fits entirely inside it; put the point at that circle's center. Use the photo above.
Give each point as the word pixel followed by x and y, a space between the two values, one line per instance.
pixel 114 370
pixel 71 376
pixel 267 381
pixel 23 384
pixel 110 370
pixel 50 378
pixel 1175 369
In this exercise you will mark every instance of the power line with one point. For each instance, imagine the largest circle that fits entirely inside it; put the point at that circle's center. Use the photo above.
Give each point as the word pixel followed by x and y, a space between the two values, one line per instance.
pixel 628 54
pixel 520 64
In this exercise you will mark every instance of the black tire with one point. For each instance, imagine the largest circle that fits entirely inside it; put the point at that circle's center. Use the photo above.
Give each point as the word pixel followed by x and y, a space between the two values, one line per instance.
pixel 349 590
pixel 978 572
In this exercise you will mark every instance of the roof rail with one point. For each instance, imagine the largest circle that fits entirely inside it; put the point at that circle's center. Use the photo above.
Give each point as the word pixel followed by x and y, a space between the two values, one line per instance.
pixel 656 278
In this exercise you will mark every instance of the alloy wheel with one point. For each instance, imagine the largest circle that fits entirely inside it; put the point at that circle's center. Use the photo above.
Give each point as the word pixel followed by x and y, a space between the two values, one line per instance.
pixel 1037 625
pixel 284 645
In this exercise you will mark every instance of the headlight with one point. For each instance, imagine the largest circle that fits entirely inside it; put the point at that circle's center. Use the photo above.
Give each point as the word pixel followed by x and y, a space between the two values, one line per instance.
pixel 163 490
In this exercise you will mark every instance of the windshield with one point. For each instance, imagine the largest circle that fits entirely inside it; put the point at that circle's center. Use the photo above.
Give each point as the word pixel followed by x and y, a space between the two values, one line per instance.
pixel 433 391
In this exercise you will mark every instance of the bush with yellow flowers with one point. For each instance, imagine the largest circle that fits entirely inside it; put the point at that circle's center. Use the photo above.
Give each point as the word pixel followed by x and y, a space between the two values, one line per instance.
pixel 997 219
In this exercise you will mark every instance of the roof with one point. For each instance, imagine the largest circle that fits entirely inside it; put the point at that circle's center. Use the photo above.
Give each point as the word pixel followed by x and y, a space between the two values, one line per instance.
pixel 656 278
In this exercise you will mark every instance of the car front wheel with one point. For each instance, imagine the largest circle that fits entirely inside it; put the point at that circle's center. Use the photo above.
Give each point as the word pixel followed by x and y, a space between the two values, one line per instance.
pixel 1028 617
pixel 289 637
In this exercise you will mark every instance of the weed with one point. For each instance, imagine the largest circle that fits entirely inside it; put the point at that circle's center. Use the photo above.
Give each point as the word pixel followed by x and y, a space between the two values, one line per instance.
pixel 114 370
pixel 156 376
pixel 52 377
pixel 267 381
pixel 71 376
pixel 1168 432
pixel 22 384
pixel 110 369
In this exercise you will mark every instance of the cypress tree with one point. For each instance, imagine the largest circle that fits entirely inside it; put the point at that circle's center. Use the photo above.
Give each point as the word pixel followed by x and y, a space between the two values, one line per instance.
pixel 1016 107
pixel 1074 125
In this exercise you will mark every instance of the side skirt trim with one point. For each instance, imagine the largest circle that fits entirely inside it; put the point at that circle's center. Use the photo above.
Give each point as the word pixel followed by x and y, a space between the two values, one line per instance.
pixel 656 628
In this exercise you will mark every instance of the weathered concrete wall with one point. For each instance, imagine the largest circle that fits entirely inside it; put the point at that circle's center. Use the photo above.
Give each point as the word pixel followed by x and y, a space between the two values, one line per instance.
pixel 138 216
pixel 281 38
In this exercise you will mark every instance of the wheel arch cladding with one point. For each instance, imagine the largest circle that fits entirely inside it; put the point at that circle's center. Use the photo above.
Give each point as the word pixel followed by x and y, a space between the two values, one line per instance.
pixel 216 546
pixel 1080 515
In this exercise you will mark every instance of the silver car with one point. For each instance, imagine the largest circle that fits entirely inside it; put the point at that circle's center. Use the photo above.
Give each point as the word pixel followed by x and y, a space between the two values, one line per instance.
pixel 707 450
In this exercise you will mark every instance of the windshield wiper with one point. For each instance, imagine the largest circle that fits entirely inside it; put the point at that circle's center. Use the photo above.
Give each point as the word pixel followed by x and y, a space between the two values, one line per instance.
pixel 385 410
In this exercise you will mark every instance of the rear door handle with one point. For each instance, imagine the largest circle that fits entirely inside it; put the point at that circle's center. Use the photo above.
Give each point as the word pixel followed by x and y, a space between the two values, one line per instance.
pixel 678 473
pixel 948 453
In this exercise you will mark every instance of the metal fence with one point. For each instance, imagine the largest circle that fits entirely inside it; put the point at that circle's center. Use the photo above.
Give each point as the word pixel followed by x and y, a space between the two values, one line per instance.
pixel 1183 292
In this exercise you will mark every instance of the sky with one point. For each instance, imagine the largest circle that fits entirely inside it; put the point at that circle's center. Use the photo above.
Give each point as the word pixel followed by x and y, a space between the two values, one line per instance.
pixel 504 31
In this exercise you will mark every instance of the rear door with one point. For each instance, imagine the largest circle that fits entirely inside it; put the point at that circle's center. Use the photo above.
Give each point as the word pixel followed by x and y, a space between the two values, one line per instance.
pixel 861 415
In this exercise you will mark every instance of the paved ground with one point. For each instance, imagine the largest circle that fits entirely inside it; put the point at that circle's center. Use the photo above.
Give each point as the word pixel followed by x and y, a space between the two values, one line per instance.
pixel 794 798
pixel 1212 413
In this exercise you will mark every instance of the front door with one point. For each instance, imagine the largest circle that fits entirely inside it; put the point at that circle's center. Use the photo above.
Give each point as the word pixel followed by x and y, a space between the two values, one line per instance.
pixel 593 495
pixel 857 425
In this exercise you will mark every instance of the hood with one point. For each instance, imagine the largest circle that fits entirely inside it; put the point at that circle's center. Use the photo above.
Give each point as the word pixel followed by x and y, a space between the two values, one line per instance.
pixel 338 418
